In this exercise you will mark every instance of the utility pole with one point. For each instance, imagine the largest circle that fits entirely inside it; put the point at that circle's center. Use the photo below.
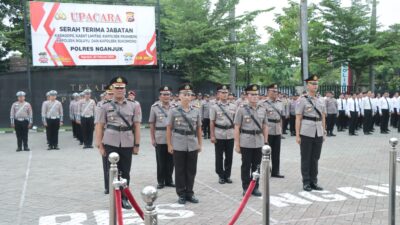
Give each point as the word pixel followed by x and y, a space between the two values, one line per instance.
pixel 304 38
pixel 232 39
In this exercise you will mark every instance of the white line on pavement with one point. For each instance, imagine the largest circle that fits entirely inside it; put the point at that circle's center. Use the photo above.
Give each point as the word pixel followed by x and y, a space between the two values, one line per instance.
pixel 232 199
pixel 21 203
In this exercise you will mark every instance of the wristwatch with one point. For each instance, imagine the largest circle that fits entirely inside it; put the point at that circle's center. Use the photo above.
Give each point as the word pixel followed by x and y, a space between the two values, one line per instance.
pixel 136 145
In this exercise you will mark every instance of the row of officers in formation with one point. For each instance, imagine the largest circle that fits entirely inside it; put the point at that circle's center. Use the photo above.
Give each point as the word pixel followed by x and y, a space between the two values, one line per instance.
pixel 178 125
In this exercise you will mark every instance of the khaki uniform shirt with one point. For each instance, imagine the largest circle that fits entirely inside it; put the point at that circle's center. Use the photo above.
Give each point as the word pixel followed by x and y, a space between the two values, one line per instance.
pixel 108 115
pixel 21 111
pixel 219 118
pixel 52 110
pixel 292 107
pixel 160 119
pixel 86 109
pixel 72 106
pixel 96 115
pixel 245 122
pixel 310 128
pixel 205 109
pixel 274 128
pixel 331 106
pixel 176 121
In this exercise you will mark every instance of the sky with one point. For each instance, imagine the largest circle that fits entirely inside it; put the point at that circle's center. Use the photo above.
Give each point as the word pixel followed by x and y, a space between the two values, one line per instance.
pixel 387 12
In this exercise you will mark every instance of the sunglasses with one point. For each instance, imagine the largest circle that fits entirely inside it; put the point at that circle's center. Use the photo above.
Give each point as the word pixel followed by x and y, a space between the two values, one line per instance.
pixel 165 94
pixel 253 94
pixel 313 83
pixel 119 88
pixel 223 92
pixel 110 93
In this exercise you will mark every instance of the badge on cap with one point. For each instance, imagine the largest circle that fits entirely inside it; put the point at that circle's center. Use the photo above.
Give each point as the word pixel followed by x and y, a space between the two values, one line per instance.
pixel 119 79
pixel 165 88
pixel 275 86
pixel 254 88
pixel 315 77
pixel 187 87
pixel 224 87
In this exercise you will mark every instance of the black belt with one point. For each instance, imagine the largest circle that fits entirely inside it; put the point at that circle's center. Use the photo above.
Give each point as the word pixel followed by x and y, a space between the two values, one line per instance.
pixel 223 127
pixel 253 132
pixel 274 121
pixel 183 132
pixel 117 128
pixel 311 118
pixel 161 128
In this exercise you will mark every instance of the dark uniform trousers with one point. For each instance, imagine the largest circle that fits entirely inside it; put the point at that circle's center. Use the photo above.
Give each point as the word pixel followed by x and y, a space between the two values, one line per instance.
pixel 353 122
pixel 106 170
pixel 367 122
pixel 74 128
pixel 330 122
pixel 292 122
pixel 274 142
pixel 206 127
pixel 341 123
pixel 21 130
pixel 251 159
pixel 53 125
pixel 79 133
pixel 223 167
pixel 124 163
pixel 165 164
pixel 185 172
pixel 285 123
pixel 310 149
pixel 377 117
pixel 394 118
pixel 384 120
pixel 87 126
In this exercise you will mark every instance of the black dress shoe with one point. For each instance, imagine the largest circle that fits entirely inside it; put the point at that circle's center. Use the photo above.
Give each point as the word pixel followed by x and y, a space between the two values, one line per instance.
pixel 292 134
pixel 192 199
pixel 182 200
pixel 333 135
pixel 307 187
pixel 277 176
pixel 170 185
pixel 328 135
pixel 26 149
pixel 80 143
pixel 125 204
pixel 256 192
pixel 19 149
pixel 282 137
pixel 50 147
pixel 384 132
pixel 316 187
pixel 90 146
pixel 84 147
pixel 160 186
pixel 228 180
pixel 106 192
pixel 367 133
pixel 56 148
pixel 221 180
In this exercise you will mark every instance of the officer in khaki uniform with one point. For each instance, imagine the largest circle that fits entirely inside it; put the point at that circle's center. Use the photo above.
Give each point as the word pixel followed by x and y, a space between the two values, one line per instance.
pixel 310 133
pixel 72 105
pixel 117 119
pixel 85 118
pixel 222 114
pixel 184 142
pixel 21 120
pixel 52 118
pixel 332 111
pixel 251 133
pixel 274 108
pixel 205 115
pixel 158 120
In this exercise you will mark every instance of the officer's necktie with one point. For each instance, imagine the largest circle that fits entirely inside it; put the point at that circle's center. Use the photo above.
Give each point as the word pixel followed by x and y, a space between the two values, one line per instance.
pixel 387 103
pixel 370 105
pixel 355 107
pixel 341 100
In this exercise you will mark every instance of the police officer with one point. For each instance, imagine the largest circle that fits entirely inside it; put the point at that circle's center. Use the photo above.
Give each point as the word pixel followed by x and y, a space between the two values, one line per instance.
pixel 52 118
pixel 310 133
pixel 21 120
pixel 251 133
pixel 222 114
pixel 342 108
pixel 158 120
pixel 120 117
pixel 332 111
pixel 368 113
pixel 85 118
pixel 385 108
pixel 108 95
pixel 353 113
pixel 43 103
pixel 205 115
pixel 184 142
pixel 274 108
pixel 72 117
pixel 79 132
pixel 292 112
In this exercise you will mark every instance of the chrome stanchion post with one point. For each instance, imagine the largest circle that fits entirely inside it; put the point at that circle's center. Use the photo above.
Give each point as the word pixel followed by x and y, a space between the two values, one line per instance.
pixel 265 174
pixel 149 195
pixel 113 174
pixel 392 181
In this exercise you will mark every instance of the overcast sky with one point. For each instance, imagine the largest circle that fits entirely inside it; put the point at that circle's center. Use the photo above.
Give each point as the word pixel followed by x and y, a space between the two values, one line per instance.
pixel 387 11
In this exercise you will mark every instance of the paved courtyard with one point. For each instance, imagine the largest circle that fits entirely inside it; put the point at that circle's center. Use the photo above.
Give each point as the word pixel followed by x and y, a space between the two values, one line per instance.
pixel 66 187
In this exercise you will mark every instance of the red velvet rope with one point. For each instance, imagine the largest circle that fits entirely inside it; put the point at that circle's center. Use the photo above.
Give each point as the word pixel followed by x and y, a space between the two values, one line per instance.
pixel 119 207
pixel 243 203
pixel 133 202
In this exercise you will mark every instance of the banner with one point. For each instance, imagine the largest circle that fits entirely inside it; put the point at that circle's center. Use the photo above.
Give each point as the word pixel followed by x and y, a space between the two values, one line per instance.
pixel 66 34
pixel 345 78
